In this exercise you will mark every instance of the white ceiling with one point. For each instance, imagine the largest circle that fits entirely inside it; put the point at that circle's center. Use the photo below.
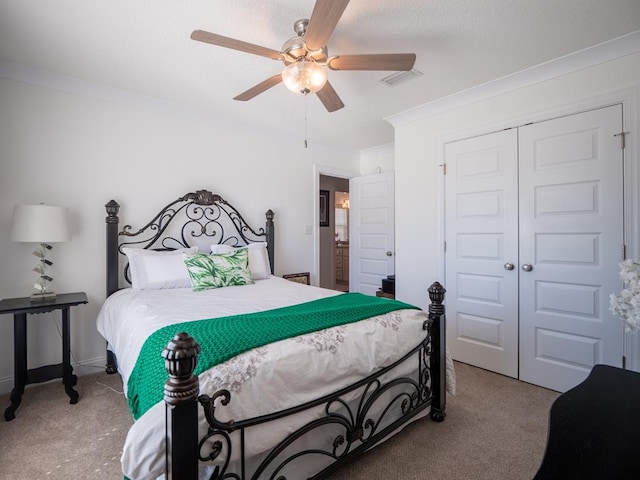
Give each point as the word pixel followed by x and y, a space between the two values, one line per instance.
pixel 143 47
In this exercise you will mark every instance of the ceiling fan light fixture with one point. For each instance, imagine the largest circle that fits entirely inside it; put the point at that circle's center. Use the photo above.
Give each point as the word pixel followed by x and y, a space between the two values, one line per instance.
pixel 306 56
pixel 304 76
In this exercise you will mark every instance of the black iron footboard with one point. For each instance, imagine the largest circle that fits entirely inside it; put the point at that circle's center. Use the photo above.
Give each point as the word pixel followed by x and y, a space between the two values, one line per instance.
pixel 350 410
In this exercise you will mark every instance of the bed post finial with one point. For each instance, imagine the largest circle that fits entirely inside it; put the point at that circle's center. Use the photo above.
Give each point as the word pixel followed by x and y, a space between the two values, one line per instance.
pixel 438 351
pixel 181 406
pixel 436 295
pixel 112 208
pixel 180 360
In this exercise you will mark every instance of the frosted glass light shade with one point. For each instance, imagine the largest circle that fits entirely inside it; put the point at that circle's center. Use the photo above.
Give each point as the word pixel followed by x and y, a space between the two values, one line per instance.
pixel 304 77
pixel 40 223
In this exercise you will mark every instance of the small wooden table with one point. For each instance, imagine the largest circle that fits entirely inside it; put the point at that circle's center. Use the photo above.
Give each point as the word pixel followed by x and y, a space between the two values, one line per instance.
pixel 23 376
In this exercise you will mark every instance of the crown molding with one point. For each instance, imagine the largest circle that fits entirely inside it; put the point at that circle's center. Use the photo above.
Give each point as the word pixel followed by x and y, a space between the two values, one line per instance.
pixel 625 45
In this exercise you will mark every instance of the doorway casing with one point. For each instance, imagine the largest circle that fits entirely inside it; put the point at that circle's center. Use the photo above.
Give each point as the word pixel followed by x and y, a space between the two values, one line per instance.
pixel 330 172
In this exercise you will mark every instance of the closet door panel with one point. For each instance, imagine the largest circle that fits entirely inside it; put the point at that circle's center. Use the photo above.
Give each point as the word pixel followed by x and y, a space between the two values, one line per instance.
pixel 481 237
pixel 571 234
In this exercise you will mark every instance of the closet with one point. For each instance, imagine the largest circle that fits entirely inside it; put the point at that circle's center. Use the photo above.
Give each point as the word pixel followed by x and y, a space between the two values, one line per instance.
pixel 534 235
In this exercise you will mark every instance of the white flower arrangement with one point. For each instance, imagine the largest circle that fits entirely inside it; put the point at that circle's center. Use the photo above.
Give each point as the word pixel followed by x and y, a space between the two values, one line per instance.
pixel 627 304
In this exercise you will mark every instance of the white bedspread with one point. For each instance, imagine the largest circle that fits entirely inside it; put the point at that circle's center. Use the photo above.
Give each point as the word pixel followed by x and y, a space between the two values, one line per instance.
pixel 263 380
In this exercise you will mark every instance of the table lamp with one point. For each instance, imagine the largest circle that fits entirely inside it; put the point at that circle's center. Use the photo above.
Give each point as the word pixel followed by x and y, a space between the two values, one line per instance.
pixel 43 224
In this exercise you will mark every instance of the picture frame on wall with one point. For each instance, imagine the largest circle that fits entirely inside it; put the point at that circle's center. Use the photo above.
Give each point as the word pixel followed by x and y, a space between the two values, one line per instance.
pixel 324 208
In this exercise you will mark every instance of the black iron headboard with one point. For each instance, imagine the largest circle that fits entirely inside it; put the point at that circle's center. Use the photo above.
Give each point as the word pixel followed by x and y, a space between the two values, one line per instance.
pixel 196 215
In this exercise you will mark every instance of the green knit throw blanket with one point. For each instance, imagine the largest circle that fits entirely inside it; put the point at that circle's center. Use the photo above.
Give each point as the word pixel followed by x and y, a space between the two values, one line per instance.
pixel 223 338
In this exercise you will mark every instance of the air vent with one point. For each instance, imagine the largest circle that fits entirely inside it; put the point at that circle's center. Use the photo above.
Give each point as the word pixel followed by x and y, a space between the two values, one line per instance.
pixel 400 77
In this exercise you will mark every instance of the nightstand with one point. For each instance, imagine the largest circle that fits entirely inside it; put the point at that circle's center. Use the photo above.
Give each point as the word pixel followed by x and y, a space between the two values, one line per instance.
pixel 23 376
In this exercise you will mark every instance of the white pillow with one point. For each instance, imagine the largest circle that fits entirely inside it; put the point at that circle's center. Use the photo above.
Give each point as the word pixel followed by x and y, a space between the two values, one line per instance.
pixel 218 248
pixel 258 258
pixel 151 269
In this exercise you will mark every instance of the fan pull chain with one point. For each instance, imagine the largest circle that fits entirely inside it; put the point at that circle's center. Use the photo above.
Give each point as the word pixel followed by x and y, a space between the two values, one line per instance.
pixel 305 120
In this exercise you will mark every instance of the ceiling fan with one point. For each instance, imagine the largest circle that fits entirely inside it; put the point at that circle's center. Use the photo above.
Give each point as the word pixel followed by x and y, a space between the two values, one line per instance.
pixel 306 57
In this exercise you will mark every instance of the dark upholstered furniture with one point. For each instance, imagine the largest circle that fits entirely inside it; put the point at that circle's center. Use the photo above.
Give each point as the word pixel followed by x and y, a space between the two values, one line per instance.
pixel 594 429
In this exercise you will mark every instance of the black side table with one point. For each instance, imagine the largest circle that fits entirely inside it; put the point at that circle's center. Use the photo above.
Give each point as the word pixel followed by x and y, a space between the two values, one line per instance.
pixel 20 307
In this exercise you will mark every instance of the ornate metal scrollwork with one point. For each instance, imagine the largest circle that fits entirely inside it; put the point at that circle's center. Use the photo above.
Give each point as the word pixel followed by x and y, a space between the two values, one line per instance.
pixel 425 371
pixel 209 405
pixel 215 448
pixel 202 197
pixel 362 421
pixel 194 215
pixel 203 210
pixel 221 431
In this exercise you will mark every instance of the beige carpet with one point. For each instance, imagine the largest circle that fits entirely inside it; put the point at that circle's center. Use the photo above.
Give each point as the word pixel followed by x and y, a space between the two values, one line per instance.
pixel 51 439
pixel 495 429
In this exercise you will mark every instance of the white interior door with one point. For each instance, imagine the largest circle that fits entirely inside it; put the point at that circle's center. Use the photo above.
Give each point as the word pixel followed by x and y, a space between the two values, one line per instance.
pixel 571 236
pixel 481 251
pixel 371 231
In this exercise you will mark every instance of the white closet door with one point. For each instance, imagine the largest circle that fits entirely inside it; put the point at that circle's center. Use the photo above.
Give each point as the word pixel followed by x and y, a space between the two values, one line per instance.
pixel 481 239
pixel 571 234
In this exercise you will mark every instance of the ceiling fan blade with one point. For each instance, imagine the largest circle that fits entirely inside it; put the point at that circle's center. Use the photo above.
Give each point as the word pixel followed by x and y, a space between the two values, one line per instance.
pixel 259 88
pixel 376 61
pixel 329 98
pixel 323 21
pixel 219 40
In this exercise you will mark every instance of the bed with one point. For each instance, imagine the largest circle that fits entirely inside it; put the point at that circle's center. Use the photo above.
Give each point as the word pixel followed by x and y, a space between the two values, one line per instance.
pixel 247 375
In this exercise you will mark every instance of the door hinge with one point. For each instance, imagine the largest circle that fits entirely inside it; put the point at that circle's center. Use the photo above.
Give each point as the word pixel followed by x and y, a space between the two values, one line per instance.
pixel 624 362
pixel 622 136
pixel 444 168
pixel 445 246
pixel 624 251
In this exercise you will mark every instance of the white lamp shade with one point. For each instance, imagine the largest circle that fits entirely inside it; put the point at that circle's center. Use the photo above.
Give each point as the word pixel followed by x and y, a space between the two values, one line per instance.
pixel 40 223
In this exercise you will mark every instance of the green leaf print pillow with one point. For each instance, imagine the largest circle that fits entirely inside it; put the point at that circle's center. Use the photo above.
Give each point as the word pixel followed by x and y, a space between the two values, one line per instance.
pixel 215 271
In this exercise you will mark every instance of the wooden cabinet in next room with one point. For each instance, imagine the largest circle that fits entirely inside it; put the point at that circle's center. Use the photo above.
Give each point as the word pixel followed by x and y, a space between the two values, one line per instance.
pixel 342 264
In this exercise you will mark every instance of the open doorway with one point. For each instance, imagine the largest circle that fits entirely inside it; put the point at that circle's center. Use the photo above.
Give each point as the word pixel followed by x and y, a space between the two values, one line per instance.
pixel 334 233
pixel 341 233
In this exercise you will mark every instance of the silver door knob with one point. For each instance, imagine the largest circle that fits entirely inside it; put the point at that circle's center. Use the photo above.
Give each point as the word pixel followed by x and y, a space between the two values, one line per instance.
pixel 527 267
pixel 389 253
pixel 509 266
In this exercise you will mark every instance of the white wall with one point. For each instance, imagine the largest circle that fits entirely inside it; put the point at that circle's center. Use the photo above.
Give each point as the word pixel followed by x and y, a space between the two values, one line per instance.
pixel 420 140
pixel 377 159
pixel 80 151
